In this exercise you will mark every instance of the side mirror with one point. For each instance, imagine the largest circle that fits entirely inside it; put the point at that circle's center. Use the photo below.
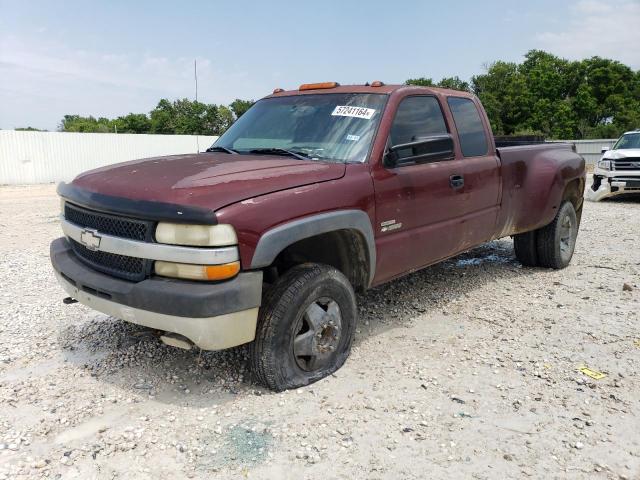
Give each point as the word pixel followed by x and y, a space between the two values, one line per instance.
pixel 604 149
pixel 425 149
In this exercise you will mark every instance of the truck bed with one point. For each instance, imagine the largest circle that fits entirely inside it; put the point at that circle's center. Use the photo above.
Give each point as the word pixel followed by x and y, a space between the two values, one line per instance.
pixel 531 180
pixel 517 140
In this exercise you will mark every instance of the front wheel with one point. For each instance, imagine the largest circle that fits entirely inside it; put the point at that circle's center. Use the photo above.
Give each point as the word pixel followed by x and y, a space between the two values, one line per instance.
pixel 305 327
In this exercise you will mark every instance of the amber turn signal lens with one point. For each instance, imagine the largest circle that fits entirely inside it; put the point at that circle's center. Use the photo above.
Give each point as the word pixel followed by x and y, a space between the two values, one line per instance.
pixel 222 272
pixel 314 86
pixel 197 272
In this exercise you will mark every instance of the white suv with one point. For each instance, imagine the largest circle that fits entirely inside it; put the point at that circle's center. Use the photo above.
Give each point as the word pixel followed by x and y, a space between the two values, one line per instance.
pixel 618 171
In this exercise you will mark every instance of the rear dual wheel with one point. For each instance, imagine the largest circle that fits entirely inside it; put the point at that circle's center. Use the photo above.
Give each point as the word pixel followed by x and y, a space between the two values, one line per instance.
pixel 305 327
pixel 551 246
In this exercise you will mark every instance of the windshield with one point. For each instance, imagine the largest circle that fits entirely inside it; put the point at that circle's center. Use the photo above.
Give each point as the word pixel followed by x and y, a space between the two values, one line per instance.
pixel 628 140
pixel 334 127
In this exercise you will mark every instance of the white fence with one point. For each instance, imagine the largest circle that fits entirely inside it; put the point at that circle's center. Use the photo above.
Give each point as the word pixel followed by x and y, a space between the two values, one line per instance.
pixel 591 150
pixel 45 157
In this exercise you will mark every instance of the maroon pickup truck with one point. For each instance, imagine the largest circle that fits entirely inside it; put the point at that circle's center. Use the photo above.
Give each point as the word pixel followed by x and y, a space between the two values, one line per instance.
pixel 312 194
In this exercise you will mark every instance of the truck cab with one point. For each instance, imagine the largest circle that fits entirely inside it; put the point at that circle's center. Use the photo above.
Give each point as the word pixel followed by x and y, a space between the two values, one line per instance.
pixel 312 195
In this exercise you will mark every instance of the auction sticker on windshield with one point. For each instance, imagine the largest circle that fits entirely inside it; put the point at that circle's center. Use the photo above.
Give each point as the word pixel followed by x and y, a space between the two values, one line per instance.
pixel 358 112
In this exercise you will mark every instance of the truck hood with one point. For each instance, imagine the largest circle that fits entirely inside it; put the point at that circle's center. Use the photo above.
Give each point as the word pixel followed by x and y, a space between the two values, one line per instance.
pixel 622 153
pixel 208 180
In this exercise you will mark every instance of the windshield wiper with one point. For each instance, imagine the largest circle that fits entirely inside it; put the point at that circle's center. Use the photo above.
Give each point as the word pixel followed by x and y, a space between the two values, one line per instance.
pixel 282 151
pixel 218 148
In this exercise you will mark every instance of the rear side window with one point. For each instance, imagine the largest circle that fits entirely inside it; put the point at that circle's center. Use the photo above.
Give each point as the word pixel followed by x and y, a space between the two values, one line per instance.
pixel 473 138
pixel 416 118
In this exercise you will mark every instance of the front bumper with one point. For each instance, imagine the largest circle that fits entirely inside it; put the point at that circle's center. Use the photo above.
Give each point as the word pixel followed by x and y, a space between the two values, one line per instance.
pixel 212 316
pixel 608 183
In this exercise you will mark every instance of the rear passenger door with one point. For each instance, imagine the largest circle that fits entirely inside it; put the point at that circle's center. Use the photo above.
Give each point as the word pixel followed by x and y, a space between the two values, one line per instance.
pixel 418 206
pixel 482 181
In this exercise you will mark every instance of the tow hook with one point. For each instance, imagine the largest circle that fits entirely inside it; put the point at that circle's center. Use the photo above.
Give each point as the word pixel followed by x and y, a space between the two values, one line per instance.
pixel 69 300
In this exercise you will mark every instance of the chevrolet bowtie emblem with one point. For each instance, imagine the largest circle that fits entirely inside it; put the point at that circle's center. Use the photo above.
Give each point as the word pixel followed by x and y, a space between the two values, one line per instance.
pixel 90 239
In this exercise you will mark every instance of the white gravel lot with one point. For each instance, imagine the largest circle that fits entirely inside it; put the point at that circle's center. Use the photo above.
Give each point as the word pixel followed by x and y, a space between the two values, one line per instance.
pixel 468 369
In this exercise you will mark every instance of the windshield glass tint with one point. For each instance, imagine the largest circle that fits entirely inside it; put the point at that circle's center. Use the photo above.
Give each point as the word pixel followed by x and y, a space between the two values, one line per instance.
pixel 334 127
pixel 629 140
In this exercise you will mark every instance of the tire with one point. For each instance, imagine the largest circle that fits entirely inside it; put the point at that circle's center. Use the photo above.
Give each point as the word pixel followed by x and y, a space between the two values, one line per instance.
pixel 526 248
pixel 556 241
pixel 305 327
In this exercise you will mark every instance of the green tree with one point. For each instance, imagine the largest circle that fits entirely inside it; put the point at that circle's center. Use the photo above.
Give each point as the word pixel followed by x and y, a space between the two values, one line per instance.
pixel 238 107
pixel 454 83
pixel 543 94
pixel 190 117
pixel 77 123
pixel 187 117
pixel 182 117
pixel 420 82
pixel 503 92
pixel 161 118
pixel 133 123
pixel 559 98
pixel 224 120
pixel 548 76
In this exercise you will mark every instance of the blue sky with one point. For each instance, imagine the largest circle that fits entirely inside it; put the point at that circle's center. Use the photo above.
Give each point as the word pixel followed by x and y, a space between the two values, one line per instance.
pixel 112 58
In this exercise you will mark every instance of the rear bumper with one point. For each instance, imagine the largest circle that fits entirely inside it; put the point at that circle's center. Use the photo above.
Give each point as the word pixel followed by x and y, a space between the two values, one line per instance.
pixel 212 316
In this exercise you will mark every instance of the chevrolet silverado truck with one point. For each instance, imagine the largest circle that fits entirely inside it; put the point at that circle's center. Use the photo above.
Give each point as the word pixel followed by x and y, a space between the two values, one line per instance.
pixel 312 195
pixel 618 171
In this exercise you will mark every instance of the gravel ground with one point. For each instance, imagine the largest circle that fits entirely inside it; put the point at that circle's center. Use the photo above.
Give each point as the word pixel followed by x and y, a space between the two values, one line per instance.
pixel 468 369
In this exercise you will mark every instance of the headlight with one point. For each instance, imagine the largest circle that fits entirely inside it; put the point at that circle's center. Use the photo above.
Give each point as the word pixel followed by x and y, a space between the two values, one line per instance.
pixel 197 272
pixel 197 235
pixel 604 164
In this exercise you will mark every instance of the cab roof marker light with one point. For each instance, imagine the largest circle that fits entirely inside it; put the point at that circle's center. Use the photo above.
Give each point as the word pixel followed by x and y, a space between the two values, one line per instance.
pixel 278 90
pixel 315 86
pixel 377 83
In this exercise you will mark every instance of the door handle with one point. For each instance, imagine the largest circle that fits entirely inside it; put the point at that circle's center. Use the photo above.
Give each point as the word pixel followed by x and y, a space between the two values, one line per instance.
pixel 456 181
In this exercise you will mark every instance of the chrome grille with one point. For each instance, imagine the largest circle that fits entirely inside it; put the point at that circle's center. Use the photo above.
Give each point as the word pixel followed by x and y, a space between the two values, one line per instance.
pixel 626 164
pixel 121 266
pixel 110 224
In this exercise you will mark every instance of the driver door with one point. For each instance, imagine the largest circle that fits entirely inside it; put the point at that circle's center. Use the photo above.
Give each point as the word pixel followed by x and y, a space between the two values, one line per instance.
pixel 419 206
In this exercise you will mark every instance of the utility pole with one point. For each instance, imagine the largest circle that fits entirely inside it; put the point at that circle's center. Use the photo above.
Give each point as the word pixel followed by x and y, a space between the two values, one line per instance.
pixel 195 76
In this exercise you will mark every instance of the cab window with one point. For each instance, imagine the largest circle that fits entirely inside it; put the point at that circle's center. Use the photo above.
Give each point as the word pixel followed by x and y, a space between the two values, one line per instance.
pixel 471 132
pixel 417 118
